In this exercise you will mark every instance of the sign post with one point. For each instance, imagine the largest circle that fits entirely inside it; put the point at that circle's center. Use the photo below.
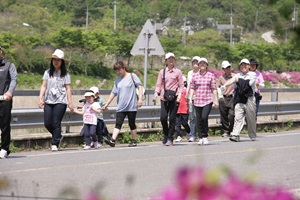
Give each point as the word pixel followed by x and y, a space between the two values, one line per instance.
pixel 146 44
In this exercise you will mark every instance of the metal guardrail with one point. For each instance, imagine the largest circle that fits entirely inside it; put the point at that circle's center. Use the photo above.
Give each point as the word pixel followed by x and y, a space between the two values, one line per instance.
pixel 34 117
pixel 31 118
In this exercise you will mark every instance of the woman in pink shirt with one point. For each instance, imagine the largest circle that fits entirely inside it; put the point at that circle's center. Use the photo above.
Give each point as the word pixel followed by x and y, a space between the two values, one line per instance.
pixel 169 87
pixel 203 86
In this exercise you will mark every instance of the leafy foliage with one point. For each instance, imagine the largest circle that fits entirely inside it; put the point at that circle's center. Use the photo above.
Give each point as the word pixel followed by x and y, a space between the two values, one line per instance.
pixel 92 44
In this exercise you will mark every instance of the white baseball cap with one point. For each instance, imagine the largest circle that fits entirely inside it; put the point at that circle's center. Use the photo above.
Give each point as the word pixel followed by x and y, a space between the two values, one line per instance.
pixel 168 55
pixel 89 94
pixel 244 60
pixel 183 78
pixel 203 59
pixel 225 64
pixel 95 89
pixel 196 58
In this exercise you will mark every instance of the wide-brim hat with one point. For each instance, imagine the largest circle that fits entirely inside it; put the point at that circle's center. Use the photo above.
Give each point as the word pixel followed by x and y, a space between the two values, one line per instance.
pixel 59 54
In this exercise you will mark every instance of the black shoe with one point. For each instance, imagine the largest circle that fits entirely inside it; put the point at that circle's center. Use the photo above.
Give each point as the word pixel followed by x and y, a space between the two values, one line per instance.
pixel 110 142
pixel 132 143
pixel 234 138
pixel 164 141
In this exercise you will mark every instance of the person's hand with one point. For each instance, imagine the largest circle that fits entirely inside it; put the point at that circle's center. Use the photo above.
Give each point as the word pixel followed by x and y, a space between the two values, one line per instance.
pixel 223 88
pixel 178 98
pixel 70 106
pixel 8 96
pixel 140 103
pixel 154 99
pixel 216 104
pixel 104 107
pixel 41 104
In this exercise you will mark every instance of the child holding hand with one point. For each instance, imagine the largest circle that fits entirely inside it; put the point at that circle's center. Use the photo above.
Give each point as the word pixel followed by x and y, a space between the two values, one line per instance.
pixel 90 112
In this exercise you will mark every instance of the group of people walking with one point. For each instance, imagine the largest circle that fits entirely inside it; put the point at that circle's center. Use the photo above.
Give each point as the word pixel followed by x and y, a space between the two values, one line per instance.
pixel 184 101
pixel 237 97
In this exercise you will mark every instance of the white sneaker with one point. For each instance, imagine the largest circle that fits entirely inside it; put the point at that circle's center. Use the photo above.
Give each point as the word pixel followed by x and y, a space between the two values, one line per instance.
pixel 54 148
pixel 205 141
pixel 200 142
pixel 191 139
pixel 178 139
pixel 97 145
pixel 3 154
pixel 87 147
pixel 92 144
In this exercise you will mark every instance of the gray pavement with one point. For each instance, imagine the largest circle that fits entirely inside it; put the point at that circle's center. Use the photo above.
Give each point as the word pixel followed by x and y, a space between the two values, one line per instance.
pixel 141 172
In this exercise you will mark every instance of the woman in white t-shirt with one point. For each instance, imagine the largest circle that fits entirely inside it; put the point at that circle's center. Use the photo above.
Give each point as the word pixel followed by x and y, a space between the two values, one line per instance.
pixel 55 96
pixel 90 112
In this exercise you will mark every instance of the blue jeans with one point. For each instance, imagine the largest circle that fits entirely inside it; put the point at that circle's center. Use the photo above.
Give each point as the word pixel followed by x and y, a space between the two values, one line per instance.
pixel 53 115
pixel 192 116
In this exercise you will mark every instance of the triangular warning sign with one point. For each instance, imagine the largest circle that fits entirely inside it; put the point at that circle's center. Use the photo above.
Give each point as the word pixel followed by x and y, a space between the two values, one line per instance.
pixel 154 46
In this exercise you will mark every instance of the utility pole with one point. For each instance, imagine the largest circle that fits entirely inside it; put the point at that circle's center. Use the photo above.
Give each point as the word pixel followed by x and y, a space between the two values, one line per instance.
pixel 295 16
pixel 87 18
pixel 184 31
pixel 231 43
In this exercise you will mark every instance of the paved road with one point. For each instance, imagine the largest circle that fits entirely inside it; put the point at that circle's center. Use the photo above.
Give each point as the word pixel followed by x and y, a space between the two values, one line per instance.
pixel 138 173
pixel 268 37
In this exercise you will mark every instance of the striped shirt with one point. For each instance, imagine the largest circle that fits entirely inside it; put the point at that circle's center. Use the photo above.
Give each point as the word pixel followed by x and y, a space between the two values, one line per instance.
pixel 203 86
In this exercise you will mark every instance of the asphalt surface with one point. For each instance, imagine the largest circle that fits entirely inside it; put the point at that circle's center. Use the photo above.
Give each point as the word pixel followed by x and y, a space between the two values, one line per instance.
pixel 143 171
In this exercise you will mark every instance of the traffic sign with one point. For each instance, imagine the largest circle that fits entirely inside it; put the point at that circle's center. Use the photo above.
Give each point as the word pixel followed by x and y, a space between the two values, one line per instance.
pixel 154 47
pixel 146 44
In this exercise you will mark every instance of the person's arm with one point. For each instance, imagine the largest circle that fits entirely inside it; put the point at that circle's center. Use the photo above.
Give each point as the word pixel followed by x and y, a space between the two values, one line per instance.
pixel 215 99
pixel 191 94
pixel 158 86
pixel 229 82
pixel 214 92
pixel 77 111
pixel 13 82
pixel 42 93
pixel 140 100
pixel 69 97
pixel 96 108
pixel 180 87
pixel 110 98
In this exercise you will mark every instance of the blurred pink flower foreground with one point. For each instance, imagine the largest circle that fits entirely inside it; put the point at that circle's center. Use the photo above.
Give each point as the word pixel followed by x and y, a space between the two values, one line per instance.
pixel 196 183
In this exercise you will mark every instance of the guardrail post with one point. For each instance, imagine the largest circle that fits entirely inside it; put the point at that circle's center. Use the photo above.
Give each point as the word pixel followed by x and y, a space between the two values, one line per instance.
pixel 274 98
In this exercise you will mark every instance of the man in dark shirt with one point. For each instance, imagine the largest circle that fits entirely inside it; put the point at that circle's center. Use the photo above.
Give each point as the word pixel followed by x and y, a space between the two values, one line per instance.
pixel 8 82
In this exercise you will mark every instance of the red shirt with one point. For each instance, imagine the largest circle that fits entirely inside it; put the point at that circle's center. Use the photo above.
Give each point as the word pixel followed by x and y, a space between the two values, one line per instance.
pixel 183 107
pixel 203 86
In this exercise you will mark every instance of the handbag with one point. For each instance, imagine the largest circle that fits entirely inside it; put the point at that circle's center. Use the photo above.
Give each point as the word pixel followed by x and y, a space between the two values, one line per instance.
pixel 169 95
pixel 257 96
